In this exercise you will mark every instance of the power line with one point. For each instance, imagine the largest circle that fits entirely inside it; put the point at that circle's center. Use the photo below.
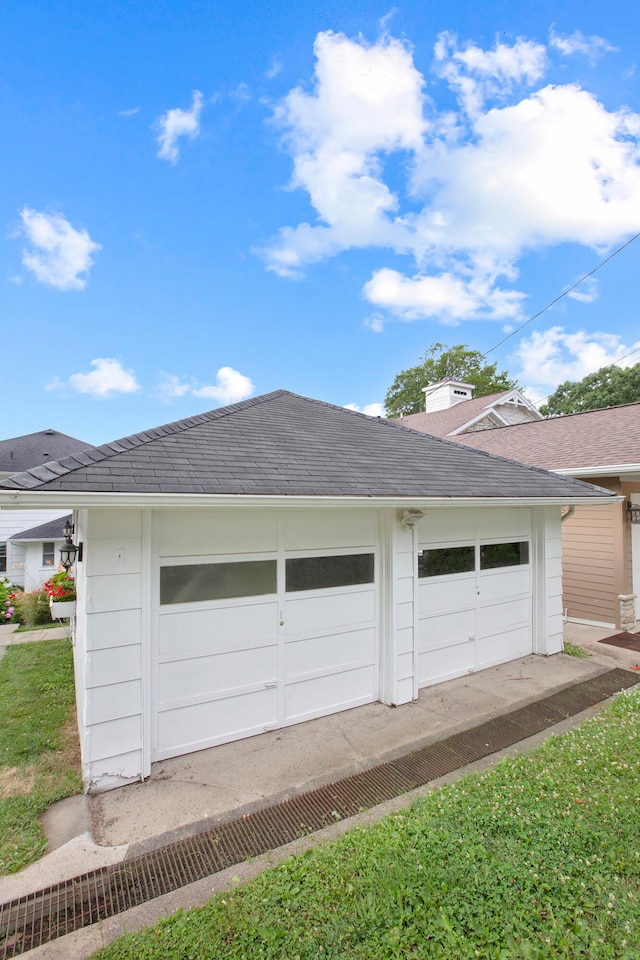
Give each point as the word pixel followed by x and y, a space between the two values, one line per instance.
pixel 561 295
pixel 551 304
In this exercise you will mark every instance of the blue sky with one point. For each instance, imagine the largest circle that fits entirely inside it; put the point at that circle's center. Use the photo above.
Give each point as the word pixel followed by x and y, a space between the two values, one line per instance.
pixel 206 201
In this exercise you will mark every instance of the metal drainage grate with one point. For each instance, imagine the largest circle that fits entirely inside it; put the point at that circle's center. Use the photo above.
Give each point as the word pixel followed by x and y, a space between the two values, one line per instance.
pixel 628 641
pixel 55 911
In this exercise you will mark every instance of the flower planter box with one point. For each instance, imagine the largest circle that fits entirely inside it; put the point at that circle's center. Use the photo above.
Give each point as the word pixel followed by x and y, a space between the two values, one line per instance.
pixel 62 609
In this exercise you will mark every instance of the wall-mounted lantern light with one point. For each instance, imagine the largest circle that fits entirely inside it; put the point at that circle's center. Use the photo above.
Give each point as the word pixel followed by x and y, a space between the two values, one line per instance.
pixel 69 552
pixel 634 511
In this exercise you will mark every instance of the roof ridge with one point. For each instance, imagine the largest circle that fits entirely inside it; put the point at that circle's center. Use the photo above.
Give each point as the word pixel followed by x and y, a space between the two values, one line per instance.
pixel 105 451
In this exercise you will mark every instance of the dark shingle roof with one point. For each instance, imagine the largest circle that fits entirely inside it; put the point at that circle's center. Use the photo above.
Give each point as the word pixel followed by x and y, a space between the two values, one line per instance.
pixel 23 453
pixel 51 530
pixel 591 439
pixel 283 444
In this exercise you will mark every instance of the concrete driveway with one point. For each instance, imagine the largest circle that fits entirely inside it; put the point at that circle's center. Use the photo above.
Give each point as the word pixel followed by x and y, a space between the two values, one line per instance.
pixel 184 793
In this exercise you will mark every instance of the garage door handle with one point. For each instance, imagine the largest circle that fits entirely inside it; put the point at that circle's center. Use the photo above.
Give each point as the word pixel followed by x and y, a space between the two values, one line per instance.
pixel 271 683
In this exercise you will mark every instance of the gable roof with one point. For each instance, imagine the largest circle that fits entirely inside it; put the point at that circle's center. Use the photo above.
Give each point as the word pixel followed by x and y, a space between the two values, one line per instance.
pixel 32 449
pixel 281 444
pixel 441 422
pixel 51 530
pixel 586 440
pixel 462 415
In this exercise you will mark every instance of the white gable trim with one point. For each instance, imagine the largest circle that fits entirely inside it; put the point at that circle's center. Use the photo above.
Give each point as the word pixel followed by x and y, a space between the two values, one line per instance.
pixel 514 397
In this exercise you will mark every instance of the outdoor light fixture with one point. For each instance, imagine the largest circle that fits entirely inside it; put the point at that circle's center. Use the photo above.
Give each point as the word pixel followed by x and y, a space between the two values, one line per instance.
pixel 69 552
pixel 409 517
pixel 634 511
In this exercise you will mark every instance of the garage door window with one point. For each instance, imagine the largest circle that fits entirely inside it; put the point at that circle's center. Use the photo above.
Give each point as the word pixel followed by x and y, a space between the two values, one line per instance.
pixel 494 555
pixel 446 561
pixel 318 573
pixel 197 582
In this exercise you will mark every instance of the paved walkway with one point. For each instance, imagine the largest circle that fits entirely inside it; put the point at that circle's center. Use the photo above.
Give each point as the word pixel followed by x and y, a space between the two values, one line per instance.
pixel 8 635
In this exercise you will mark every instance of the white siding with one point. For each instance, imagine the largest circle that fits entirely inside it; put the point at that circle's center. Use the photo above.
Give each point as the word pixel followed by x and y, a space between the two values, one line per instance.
pixel 547 611
pixel 109 650
pixel 404 688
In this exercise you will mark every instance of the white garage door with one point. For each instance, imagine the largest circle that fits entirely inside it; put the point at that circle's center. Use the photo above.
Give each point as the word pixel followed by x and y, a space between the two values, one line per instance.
pixel 249 641
pixel 474 592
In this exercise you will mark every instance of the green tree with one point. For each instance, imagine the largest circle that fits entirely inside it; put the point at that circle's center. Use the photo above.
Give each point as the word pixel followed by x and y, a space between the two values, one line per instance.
pixel 608 387
pixel 405 394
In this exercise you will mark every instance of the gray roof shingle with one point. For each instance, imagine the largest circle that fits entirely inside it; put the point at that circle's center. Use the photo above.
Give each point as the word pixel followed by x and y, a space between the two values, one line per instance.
pixel 281 444
pixel 31 450
pixel 51 530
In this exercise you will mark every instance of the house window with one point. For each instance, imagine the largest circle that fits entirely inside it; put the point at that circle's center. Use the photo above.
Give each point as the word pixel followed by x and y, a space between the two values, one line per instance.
pixel 3 558
pixel 446 560
pixel 494 555
pixel 197 582
pixel 48 554
pixel 318 573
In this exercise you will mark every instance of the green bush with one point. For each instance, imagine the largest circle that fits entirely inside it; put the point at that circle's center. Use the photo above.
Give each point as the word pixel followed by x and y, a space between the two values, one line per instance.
pixel 32 609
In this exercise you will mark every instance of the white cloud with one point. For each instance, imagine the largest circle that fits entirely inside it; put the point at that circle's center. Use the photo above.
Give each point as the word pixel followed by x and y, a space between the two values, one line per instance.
pixel 591 47
pixel 241 94
pixel 178 123
pixel 476 74
pixel 367 99
pixel 549 357
pixel 60 256
pixel 274 68
pixel 230 387
pixel 371 409
pixel 171 387
pixel 108 377
pixel 556 167
pixel 129 113
pixel 384 21
pixel 514 170
pixel 586 292
pixel 446 296
pixel 375 322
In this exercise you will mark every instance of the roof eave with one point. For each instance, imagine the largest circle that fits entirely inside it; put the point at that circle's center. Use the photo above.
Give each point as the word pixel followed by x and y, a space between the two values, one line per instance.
pixel 17 499
pixel 605 470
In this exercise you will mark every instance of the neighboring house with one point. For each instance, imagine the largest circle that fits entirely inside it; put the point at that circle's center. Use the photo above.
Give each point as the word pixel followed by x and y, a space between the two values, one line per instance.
pixel 41 546
pixel 282 559
pixel 16 455
pixel 451 409
pixel 601 546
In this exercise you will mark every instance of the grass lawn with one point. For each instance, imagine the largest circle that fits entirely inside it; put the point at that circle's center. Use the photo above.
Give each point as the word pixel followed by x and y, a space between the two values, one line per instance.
pixel 39 749
pixel 538 858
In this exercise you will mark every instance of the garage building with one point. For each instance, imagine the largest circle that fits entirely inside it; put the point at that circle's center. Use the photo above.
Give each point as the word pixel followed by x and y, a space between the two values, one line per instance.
pixel 282 559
